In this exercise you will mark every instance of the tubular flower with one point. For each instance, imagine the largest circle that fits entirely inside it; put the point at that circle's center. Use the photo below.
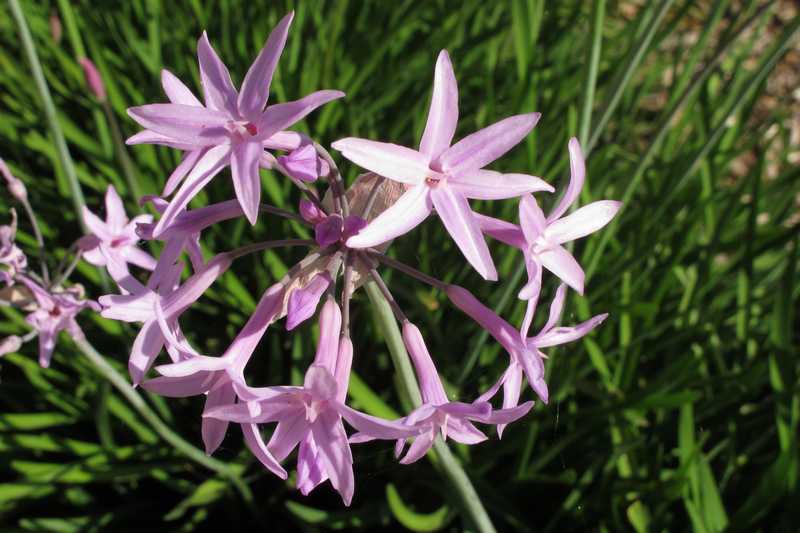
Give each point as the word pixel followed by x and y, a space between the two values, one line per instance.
pixel 442 177
pixel 230 128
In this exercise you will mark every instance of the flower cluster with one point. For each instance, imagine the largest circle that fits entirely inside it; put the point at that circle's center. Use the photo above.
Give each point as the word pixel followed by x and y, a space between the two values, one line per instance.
pixel 51 307
pixel 352 229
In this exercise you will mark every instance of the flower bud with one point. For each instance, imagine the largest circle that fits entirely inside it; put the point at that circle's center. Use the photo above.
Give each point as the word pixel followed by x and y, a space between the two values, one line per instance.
pixel 93 79
pixel 15 186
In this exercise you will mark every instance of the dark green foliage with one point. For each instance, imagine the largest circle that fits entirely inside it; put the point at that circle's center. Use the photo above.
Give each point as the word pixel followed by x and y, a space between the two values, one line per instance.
pixel 681 412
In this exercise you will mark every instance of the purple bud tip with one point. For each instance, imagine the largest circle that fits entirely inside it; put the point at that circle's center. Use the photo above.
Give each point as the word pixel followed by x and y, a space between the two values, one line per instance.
pixel 93 79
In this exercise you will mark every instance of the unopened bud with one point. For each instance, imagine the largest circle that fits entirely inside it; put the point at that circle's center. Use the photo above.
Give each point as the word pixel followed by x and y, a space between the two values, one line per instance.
pixel 56 30
pixel 15 186
pixel 93 79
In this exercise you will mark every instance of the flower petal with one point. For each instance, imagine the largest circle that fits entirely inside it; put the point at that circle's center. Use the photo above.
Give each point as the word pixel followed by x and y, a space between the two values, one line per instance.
pixel 561 263
pixel 183 123
pixel 577 174
pixel 146 347
pixel 280 116
pixel 334 450
pixel 443 111
pixel 556 307
pixel 246 179
pixel 427 375
pixel 206 168
pixel 475 151
pixel 531 218
pixel 330 326
pixel 213 430
pixel 503 231
pixel 218 88
pixel 405 214
pixel 457 217
pixel 115 211
pixel 422 443
pixel 252 437
pixel 491 185
pixel 187 163
pixel 255 87
pixel 288 434
pixel 582 222
pixel 373 426
pixel 564 335
pixel 177 91
pixel 96 225
pixel 303 301
pixel 391 161
pixel 181 387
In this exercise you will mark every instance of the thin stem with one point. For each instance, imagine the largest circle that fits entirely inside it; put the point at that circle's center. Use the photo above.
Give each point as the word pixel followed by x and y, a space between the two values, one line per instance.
pixel 387 295
pixel 161 429
pixel 598 14
pixel 277 211
pixel 347 293
pixel 337 184
pixel 37 233
pixel 373 195
pixel 308 191
pixel 470 502
pixel 50 111
pixel 409 270
pixel 66 273
pixel 266 245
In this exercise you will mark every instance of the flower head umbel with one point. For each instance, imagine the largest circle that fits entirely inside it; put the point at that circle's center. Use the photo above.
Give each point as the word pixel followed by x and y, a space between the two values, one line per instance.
pixel 116 236
pixel 230 128
pixel 443 177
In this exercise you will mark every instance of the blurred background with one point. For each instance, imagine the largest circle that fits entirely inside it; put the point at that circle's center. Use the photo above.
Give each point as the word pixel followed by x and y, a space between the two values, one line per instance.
pixel 680 412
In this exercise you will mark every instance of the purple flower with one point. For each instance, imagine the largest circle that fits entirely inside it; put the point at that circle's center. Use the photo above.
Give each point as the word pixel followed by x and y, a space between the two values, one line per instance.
pixel 115 237
pixel 230 129
pixel 304 164
pixel 437 413
pixel 525 353
pixel 442 176
pixel 10 254
pixel 56 311
pixel 540 238
pixel 311 416
pixel 303 301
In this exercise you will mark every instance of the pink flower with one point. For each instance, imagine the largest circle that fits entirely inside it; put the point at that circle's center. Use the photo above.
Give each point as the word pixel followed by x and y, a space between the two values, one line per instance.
pixel 230 129
pixel 525 353
pixel 437 413
pixel 304 164
pixel 10 344
pixel 540 238
pixel 303 301
pixel 311 416
pixel 15 186
pixel 56 312
pixel 10 254
pixel 115 237
pixel 442 176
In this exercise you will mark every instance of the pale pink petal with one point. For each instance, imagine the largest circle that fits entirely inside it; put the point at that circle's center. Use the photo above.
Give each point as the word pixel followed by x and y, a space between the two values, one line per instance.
pixel 280 116
pixel 560 262
pixel 182 387
pixel 506 416
pixel 47 343
pixel 288 434
pixel 464 432
pixel 218 88
pixel 477 410
pixel 405 214
pixel 310 468
pixel 246 179
pixel 115 210
pixel 373 426
pixel 191 366
pixel 252 437
pixel 582 222
pixel 503 231
pixel 151 137
pixel 139 257
pixel 391 161
pixel 484 146
pixel 187 163
pixel 531 218
pixel 184 123
pixel 96 226
pixel 344 363
pixel 530 291
pixel 10 344
pixel 255 87
pixel 195 286
pixel 320 382
pixel 556 307
pixel 457 217
pixel 303 302
pixel 443 112
pixel 146 347
pixel 427 375
pixel 177 91
pixel 213 430
pixel 209 165
pixel 491 185
pixel 577 174
pixel 331 441
pixel 330 326
pixel 533 366
pixel 422 443
pixel 563 335
pixel 286 141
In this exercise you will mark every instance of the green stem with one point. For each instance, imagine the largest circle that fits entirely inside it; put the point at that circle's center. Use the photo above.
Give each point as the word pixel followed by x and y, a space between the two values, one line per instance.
pixel 128 168
pixel 468 497
pixel 49 110
pixel 162 430
pixel 598 15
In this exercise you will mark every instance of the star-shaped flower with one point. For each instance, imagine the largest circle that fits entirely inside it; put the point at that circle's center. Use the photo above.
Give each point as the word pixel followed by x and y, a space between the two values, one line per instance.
pixel 443 177
pixel 230 129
